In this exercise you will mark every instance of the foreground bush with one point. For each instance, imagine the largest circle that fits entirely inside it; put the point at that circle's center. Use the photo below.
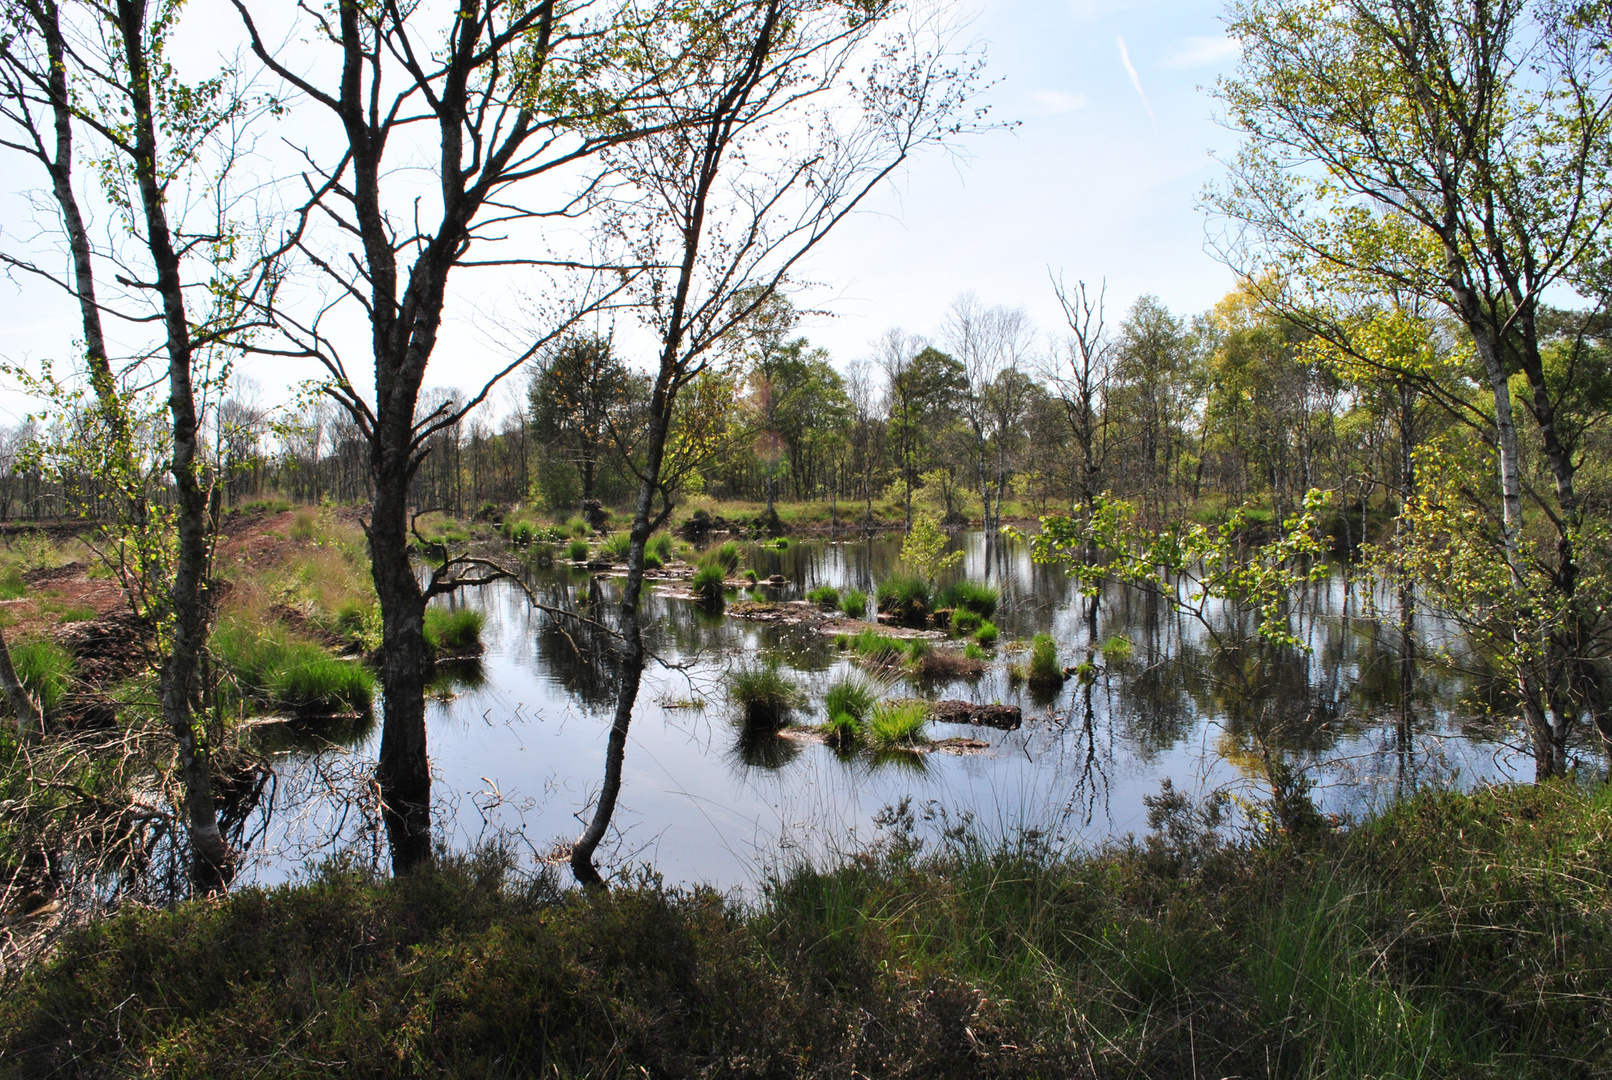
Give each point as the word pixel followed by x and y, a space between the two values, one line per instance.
pixel 1454 936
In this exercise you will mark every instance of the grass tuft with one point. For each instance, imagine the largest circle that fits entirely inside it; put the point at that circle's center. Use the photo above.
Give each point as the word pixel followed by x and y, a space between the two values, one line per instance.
pixel 987 633
pixel 854 602
pixel 1044 669
pixel 764 695
pixel 969 596
pixel 851 697
pixel 905 598
pixel 896 724
pixel 578 550
pixel 45 670
pixel 825 595
pixel 454 630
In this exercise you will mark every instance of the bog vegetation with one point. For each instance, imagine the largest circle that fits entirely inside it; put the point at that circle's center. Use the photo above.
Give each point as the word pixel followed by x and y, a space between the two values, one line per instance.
pixel 1411 380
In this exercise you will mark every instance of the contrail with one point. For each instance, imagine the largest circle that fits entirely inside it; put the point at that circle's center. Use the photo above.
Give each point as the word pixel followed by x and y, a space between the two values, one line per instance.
pixel 1136 80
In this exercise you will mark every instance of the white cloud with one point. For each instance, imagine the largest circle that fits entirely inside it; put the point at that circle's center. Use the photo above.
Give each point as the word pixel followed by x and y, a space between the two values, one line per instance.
pixel 1054 102
pixel 1196 52
pixel 1136 80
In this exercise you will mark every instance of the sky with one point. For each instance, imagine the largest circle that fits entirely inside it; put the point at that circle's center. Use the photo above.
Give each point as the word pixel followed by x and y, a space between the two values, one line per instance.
pixel 1108 137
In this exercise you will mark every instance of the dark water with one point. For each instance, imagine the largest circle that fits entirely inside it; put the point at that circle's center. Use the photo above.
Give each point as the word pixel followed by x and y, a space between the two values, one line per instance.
pixel 517 742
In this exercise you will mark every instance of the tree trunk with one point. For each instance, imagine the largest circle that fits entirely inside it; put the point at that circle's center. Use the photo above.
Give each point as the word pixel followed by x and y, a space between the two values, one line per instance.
pixel 404 771
pixel 210 856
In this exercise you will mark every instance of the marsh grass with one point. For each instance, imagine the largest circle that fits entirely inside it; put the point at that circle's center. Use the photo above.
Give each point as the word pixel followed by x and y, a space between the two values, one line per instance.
pixel 987 633
pixel 764 695
pixel 873 648
pixel 970 596
pixel 1453 935
pixel 1117 650
pixel 895 724
pixel 853 697
pixel 824 596
pixel 905 598
pixel 708 581
pixel 577 551
pixel 280 671
pixel 45 670
pixel 454 630
pixel 1043 669
pixel 854 602
pixel 616 546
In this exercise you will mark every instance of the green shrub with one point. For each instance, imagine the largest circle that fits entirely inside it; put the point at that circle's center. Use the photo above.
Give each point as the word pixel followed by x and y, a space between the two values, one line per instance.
pixel 521 533
pixel 851 697
pixel 1117 650
pixel 578 550
pixel 708 581
pixel 1044 669
pixel 987 633
pixel 969 596
pixel 826 595
pixel 764 695
pixel 454 630
pixel 965 622
pixel 905 597
pixel 45 670
pixel 898 723
pixel 854 603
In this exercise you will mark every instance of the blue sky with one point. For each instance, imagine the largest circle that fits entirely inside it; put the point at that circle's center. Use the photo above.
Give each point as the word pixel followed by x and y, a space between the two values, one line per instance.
pixel 1099 180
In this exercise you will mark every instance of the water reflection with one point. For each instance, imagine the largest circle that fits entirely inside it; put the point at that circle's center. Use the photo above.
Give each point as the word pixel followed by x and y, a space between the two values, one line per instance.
pixel 518 739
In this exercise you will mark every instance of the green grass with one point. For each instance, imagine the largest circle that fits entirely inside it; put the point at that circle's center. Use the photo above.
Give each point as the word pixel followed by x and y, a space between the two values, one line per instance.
pixel 973 652
pixel 969 596
pixel 965 622
pixel 263 506
pixel 987 633
pixel 456 630
pixel 75 613
pixel 843 731
pixel 726 556
pixel 873 647
pixel 763 694
pixel 360 624
pixel 851 697
pixel 905 597
pixel 577 551
pixel 45 670
pixel 1117 650
pixel 854 602
pixel 894 724
pixel 1044 669
pixel 661 546
pixel 1452 935
pixel 11 584
pixel 520 533
pixel 304 526
pixel 280 671
pixel 708 581
pixel 616 546
pixel 825 595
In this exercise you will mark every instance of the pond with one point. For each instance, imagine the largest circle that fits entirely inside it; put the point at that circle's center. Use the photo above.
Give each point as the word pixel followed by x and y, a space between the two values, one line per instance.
pixel 517 742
